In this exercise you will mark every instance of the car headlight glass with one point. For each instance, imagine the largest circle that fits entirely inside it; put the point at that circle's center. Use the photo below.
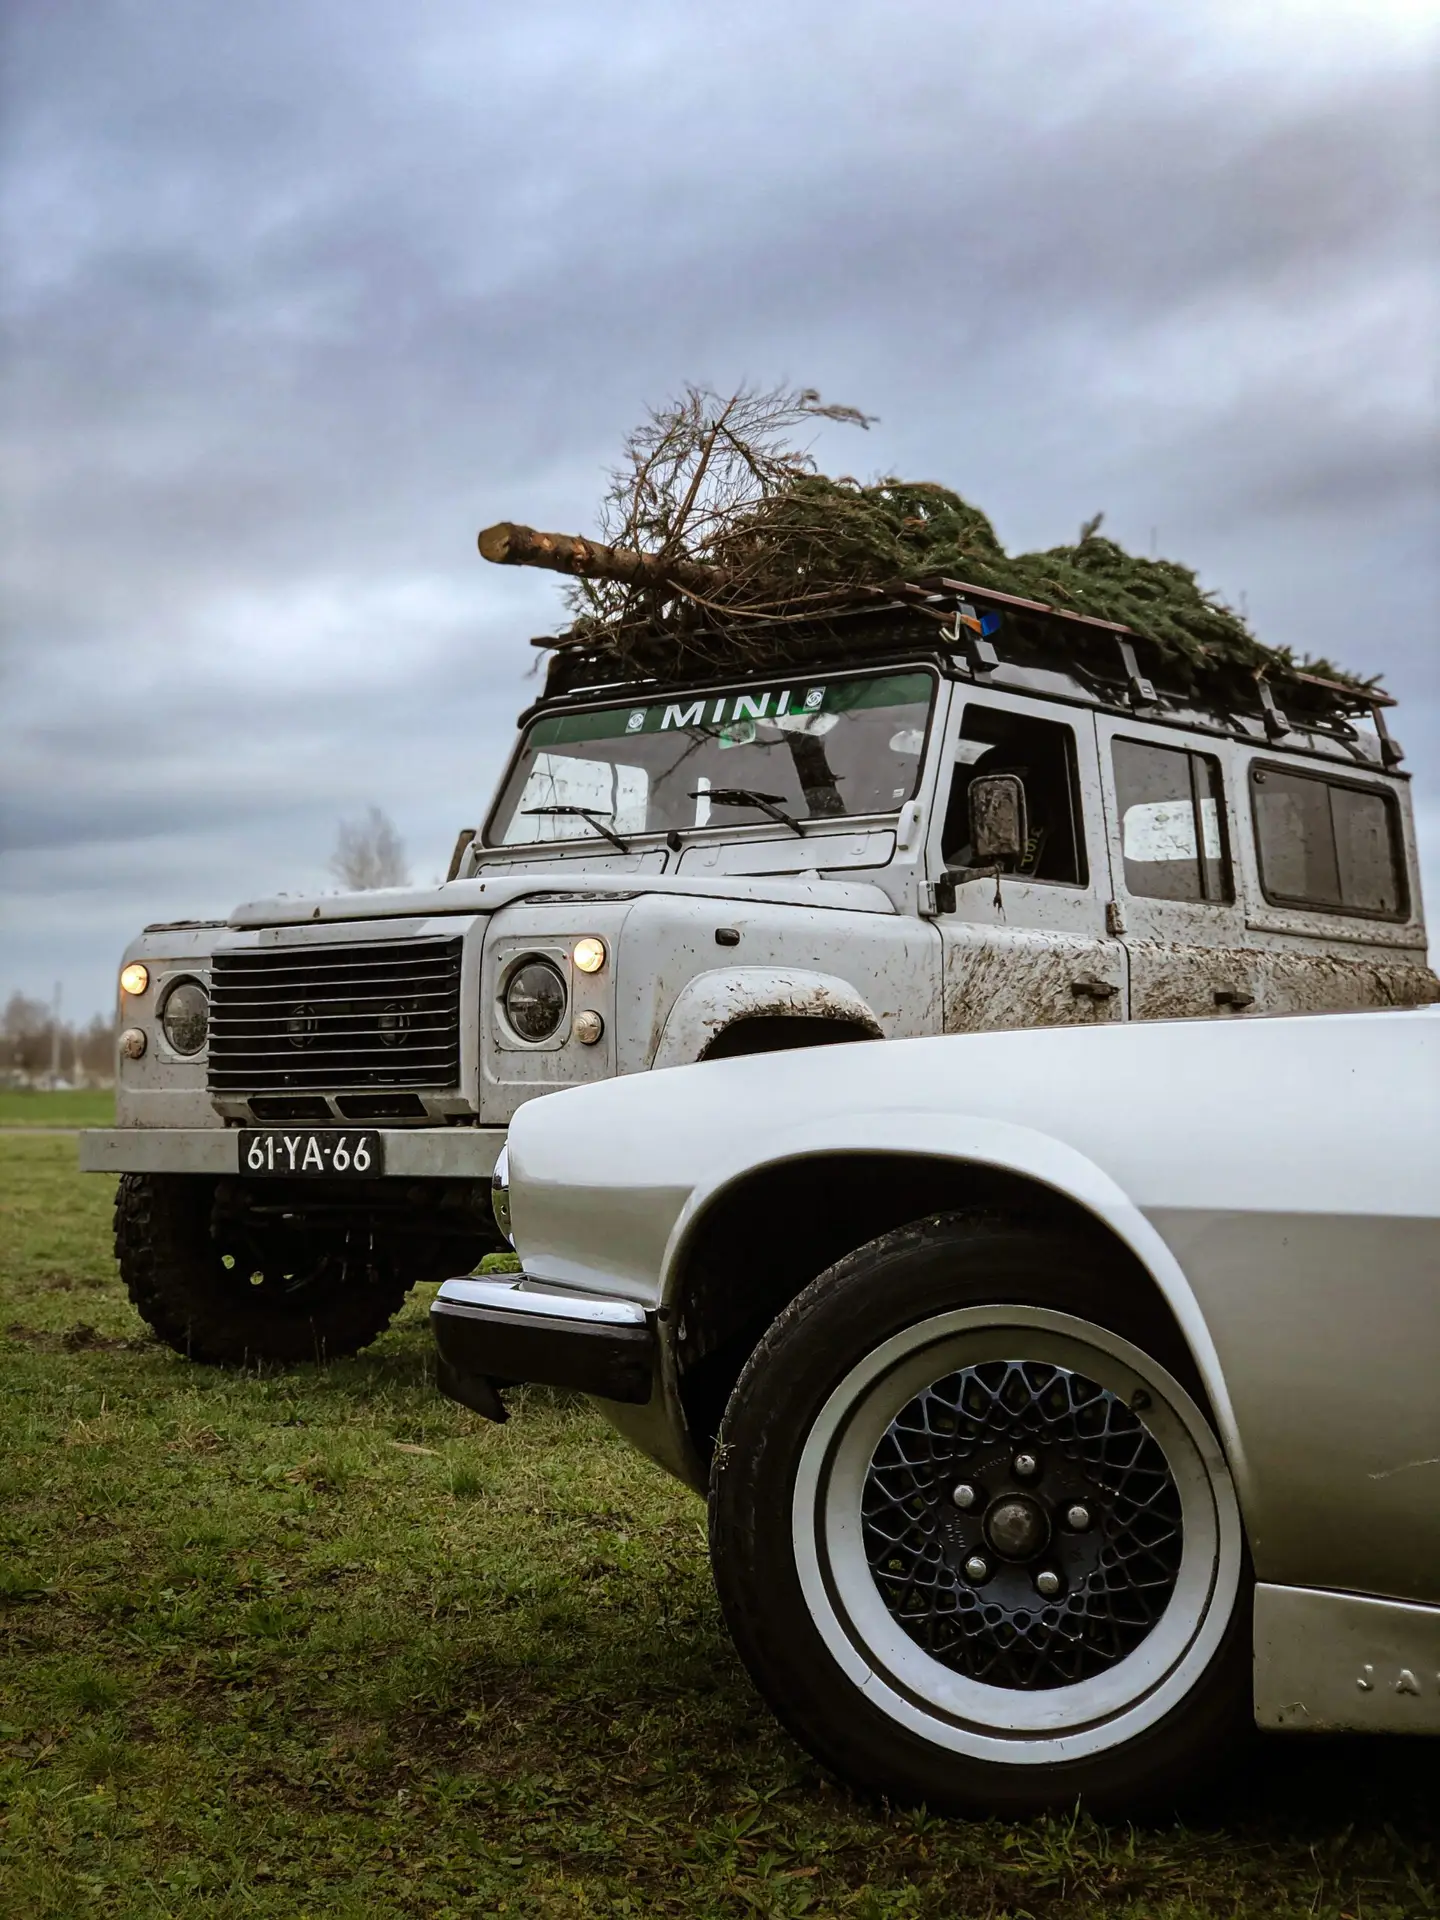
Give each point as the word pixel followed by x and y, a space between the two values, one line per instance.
pixel 535 999
pixel 185 1017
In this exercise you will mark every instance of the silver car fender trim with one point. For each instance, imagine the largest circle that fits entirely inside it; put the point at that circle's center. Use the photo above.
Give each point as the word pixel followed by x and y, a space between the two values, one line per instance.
pixel 523 1299
pixel 1345 1663
pixel 489 1331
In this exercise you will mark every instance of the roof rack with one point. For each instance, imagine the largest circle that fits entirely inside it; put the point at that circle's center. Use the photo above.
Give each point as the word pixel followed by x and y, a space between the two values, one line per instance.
pixel 958 610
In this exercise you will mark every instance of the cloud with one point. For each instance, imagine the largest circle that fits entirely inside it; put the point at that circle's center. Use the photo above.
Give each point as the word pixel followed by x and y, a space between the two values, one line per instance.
pixel 298 296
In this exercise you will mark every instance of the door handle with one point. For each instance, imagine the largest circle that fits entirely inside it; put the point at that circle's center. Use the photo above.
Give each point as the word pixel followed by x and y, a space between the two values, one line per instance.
pixel 1089 988
pixel 1235 997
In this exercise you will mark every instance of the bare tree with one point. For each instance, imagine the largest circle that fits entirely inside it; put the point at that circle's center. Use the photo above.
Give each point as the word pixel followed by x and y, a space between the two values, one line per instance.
pixel 370 853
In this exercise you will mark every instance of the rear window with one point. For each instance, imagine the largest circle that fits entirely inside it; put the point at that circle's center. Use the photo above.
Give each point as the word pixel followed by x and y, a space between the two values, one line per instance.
pixel 1327 843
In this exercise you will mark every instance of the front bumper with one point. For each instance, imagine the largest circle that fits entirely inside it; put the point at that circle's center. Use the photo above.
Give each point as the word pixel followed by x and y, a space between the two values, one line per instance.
pixel 503 1330
pixel 411 1153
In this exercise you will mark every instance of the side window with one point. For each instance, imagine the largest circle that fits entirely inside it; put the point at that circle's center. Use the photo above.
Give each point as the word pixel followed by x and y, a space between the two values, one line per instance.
pixel 1042 752
pixel 1172 823
pixel 1327 843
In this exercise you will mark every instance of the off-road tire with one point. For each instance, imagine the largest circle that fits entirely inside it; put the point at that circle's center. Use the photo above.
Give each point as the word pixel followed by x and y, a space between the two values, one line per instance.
pixel 197 1293
pixel 786 1394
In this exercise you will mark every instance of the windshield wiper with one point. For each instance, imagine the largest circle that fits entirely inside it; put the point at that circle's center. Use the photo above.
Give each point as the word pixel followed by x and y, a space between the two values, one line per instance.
pixel 748 797
pixel 596 820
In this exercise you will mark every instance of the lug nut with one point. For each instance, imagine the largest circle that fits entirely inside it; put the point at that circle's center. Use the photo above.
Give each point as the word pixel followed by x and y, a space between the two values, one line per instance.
pixel 1077 1517
pixel 1025 1466
pixel 1047 1583
pixel 964 1496
pixel 977 1568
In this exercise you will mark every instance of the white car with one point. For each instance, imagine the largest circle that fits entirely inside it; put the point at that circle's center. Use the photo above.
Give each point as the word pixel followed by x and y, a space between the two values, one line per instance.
pixel 1066 1401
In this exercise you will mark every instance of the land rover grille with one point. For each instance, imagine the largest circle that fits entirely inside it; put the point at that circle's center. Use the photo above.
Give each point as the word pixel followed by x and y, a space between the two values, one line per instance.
pixel 316 1019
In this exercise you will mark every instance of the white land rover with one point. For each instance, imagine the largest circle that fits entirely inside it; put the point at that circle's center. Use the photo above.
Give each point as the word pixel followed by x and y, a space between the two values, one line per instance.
pixel 921 832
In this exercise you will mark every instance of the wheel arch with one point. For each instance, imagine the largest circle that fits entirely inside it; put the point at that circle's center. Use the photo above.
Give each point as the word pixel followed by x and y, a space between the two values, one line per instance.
pixel 796 1214
pixel 733 1010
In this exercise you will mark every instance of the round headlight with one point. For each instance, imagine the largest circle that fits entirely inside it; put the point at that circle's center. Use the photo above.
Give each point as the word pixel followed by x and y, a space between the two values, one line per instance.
pixel 535 999
pixel 185 1016
pixel 135 978
pixel 589 954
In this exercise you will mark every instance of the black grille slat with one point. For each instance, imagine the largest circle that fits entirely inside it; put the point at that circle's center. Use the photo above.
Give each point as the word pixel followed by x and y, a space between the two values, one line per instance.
pixel 381 1014
pixel 336 991
pixel 372 980
pixel 335 1026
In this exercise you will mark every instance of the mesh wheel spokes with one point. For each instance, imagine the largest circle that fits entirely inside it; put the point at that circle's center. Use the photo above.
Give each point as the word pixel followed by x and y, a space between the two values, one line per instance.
pixel 1093 1456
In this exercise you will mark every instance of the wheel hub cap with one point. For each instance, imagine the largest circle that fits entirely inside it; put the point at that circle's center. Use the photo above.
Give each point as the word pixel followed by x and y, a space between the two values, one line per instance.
pixel 1090 1450
pixel 1017 1527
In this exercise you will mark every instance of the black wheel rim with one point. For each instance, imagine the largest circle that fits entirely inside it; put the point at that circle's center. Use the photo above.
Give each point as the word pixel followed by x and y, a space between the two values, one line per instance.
pixel 296 1278
pixel 1092 1455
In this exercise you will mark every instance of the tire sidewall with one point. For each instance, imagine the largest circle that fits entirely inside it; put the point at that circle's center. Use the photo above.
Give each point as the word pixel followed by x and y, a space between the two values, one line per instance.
pixel 907 1278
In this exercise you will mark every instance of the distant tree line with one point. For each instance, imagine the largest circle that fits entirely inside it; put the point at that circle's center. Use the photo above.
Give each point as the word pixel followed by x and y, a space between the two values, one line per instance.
pixel 368 853
pixel 28 1055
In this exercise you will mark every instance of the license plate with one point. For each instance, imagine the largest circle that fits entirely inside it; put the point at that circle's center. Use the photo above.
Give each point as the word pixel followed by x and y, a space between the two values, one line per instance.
pixel 312 1150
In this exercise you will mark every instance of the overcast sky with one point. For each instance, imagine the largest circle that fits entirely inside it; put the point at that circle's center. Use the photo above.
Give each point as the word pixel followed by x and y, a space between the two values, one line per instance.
pixel 297 296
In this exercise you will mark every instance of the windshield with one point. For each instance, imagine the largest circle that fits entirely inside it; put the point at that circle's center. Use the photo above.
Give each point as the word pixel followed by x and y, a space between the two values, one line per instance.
pixel 786 753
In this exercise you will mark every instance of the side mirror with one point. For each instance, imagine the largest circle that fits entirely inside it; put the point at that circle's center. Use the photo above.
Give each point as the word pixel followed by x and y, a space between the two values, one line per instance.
pixel 999 828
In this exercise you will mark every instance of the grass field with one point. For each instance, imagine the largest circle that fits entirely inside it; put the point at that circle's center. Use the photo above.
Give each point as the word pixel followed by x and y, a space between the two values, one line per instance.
pixel 318 1643
pixel 79 1107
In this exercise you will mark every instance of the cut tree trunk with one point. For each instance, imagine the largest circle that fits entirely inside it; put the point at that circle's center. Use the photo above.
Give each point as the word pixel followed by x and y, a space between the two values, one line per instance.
pixel 510 545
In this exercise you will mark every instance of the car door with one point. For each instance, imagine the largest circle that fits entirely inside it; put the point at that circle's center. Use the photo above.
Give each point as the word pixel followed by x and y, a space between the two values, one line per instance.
pixel 1027 948
pixel 1170 827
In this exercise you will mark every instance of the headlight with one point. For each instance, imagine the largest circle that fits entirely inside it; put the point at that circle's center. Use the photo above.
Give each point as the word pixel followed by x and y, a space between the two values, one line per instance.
pixel 500 1194
pixel 589 954
pixel 135 978
pixel 535 999
pixel 185 1016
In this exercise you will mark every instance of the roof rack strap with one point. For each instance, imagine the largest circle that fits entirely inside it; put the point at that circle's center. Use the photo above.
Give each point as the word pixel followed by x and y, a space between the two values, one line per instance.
pixel 1141 690
pixel 1276 722
pixel 1391 751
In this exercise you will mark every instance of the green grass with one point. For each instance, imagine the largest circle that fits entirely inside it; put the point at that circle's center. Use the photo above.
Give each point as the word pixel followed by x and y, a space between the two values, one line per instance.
pixel 79 1107
pixel 316 1642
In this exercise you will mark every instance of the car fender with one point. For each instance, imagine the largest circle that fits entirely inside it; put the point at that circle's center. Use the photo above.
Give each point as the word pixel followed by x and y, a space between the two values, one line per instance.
pixel 712 1001
pixel 975 1142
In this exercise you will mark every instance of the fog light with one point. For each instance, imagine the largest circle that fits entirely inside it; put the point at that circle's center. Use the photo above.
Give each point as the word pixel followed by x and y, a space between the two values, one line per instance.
pixel 589 954
pixel 132 1043
pixel 588 1028
pixel 135 978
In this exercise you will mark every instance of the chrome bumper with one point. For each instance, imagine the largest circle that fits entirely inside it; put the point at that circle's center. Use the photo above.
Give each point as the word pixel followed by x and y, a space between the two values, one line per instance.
pixel 411 1153
pixel 494 1331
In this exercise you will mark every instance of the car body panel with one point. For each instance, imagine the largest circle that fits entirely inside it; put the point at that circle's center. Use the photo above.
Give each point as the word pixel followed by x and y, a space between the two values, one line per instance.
pixel 1275 1177
pixel 1345 1662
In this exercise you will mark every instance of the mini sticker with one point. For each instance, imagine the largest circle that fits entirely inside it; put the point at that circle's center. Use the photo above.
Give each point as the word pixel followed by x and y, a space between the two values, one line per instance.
pixel 636 721
pixel 814 699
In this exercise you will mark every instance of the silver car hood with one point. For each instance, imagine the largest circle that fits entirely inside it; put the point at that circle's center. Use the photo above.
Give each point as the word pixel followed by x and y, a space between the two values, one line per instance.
pixel 488 895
